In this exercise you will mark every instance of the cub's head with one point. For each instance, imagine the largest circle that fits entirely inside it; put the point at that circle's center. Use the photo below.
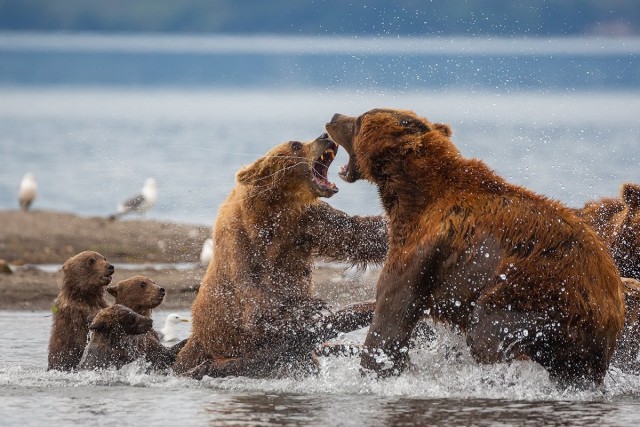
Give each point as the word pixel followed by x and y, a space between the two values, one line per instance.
pixel 87 272
pixel 382 136
pixel 298 168
pixel 120 320
pixel 139 293
pixel 625 246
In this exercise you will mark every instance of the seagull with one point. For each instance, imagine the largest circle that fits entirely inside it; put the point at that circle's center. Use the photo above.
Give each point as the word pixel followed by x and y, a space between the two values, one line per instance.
pixel 169 332
pixel 139 203
pixel 207 252
pixel 27 191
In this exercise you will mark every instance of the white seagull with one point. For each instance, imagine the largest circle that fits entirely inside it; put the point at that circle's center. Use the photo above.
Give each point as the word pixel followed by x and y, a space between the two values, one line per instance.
pixel 170 331
pixel 139 203
pixel 27 191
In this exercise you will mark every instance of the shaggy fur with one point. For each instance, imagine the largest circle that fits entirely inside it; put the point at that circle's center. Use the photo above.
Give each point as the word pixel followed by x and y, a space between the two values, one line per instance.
pixel 628 346
pixel 255 314
pixel 142 295
pixel 112 339
pixel 81 297
pixel 139 293
pixel 519 274
pixel 617 222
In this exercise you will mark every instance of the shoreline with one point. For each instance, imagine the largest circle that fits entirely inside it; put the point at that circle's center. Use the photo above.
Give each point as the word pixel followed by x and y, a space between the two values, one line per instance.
pixel 168 253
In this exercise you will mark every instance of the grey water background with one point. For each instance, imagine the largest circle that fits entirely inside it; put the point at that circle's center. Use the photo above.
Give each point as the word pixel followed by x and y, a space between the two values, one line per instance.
pixel 92 116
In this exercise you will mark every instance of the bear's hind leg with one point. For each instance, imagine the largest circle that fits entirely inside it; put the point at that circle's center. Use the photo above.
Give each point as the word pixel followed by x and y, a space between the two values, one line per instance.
pixel 496 336
pixel 190 357
pixel 500 335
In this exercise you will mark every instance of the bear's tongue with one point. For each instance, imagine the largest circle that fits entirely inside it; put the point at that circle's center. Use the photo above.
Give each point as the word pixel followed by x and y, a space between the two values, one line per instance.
pixel 320 169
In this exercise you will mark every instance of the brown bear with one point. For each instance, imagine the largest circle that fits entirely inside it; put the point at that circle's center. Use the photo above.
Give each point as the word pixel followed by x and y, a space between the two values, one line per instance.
pixel 139 293
pixel 518 273
pixel 81 296
pixel 142 295
pixel 112 338
pixel 617 222
pixel 255 313
pixel 628 346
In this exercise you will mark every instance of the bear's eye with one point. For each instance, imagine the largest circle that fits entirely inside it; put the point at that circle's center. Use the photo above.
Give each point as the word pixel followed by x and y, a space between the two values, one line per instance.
pixel 91 261
pixel 143 285
pixel 296 146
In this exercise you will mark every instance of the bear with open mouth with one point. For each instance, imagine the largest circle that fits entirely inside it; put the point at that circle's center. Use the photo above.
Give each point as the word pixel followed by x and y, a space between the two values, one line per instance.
pixel 519 274
pixel 255 313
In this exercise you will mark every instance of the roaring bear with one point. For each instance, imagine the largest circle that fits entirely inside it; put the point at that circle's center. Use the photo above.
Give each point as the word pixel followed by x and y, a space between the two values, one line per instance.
pixel 519 274
pixel 81 296
pixel 255 313
pixel 142 295
pixel 617 222
pixel 112 342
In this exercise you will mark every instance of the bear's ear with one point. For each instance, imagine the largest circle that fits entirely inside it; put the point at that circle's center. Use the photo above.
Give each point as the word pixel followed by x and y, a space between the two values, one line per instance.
pixel 99 325
pixel 631 195
pixel 252 174
pixel 413 125
pixel 113 290
pixel 443 129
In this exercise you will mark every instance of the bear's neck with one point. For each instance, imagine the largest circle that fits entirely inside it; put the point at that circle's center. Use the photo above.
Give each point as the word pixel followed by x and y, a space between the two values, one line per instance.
pixel 407 192
pixel 92 297
pixel 142 311
pixel 267 201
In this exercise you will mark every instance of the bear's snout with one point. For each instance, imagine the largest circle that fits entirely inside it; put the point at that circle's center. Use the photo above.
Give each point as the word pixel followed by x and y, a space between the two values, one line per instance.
pixel 162 291
pixel 110 268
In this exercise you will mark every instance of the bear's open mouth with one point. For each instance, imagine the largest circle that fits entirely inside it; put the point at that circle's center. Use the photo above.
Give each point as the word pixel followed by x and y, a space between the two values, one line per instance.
pixel 321 167
pixel 108 276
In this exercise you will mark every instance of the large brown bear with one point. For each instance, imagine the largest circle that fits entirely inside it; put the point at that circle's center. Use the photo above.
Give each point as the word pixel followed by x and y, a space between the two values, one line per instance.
pixel 142 295
pixel 81 296
pixel 617 222
pixel 255 313
pixel 113 338
pixel 519 274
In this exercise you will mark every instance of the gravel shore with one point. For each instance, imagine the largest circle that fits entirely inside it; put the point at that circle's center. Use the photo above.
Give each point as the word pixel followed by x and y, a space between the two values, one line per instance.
pixel 35 245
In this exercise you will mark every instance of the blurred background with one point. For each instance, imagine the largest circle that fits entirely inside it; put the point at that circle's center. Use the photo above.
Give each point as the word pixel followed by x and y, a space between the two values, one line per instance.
pixel 97 96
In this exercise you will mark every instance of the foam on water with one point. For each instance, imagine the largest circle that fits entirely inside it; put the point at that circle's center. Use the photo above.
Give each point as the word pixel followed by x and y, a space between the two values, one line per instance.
pixel 441 369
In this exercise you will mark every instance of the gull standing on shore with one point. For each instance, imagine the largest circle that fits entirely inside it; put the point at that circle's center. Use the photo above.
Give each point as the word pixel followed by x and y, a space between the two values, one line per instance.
pixel 27 191
pixel 139 203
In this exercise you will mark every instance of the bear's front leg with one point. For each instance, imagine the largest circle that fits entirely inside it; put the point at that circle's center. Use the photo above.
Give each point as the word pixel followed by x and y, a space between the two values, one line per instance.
pixel 399 306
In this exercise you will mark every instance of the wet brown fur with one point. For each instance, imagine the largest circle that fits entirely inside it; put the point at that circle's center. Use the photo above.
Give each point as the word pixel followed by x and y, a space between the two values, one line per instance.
pixel 142 295
pixel 139 293
pixel 255 308
pixel 113 340
pixel 617 222
pixel 81 296
pixel 520 274
pixel 628 346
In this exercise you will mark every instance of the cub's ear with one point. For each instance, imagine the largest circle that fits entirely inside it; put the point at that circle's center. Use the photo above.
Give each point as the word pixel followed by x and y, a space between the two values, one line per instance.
pixel 443 129
pixel 254 173
pixel 631 195
pixel 99 325
pixel 113 290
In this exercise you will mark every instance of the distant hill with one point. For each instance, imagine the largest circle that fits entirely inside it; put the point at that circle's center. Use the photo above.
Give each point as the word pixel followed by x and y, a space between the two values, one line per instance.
pixel 328 17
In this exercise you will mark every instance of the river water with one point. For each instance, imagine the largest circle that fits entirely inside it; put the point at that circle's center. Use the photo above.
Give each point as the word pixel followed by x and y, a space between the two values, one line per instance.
pixel 93 116
pixel 443 387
